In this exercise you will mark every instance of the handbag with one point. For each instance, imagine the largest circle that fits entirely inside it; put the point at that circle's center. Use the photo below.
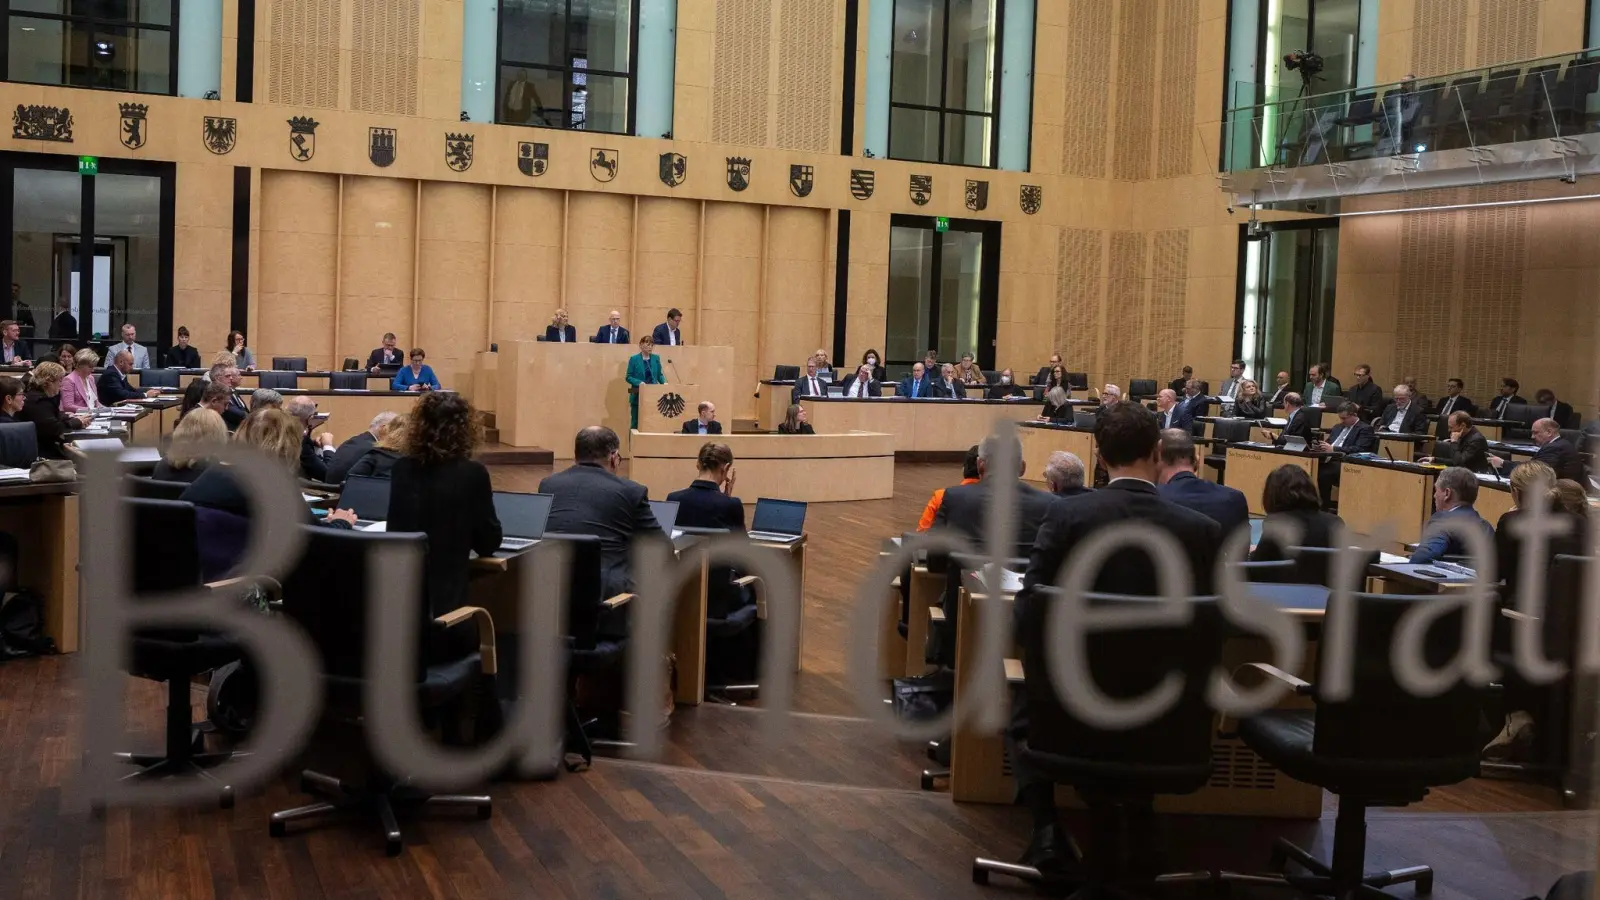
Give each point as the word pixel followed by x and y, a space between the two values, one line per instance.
pixel 50 471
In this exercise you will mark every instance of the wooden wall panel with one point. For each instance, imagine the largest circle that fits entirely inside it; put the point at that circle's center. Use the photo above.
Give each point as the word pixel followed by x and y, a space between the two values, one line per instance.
pixel 1493 271
pixel 599 261
pixel 202 254
pixel 1137 47
pixel 1080 298
pixel 453 274
pixel 527 263
pixel 383 62
pixel 1174 132
pixel 807 96
pixel 1422 320
pixel 303 56
pixel 299 234
pixel 1508 31
pixel 1439 37
pixel 1090 45
pixel 377 264
pixel 1125 309
pixel 668 273
pixel 740 72
pixel 1169 279
pixel 797 291
pixel 866 323
pixel 730 289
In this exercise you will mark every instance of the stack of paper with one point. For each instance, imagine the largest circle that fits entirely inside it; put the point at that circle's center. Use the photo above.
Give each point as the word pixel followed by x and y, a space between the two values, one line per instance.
pixel 13 476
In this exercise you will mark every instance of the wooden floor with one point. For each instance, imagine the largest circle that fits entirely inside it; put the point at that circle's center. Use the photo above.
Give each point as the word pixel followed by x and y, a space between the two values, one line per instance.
pixel 835 813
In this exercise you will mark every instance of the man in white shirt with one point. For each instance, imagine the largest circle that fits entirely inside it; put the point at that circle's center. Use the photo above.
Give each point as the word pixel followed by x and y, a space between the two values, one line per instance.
pixel 1401 416
pixel 141 356
pixel 13 352
pixel 1166 407
pixel 862 385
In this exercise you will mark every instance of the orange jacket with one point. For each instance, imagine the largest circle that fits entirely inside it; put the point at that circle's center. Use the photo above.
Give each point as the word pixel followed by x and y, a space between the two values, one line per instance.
pixel 932 509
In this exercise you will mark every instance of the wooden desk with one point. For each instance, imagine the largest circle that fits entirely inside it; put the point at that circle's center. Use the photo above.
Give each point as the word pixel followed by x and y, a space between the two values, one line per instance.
pixel 1372 492
pixel 44 520
pixel 1242 784
pixel 1249 466
pixel 947 426
pixel 811 467
pixel 1039 441
pixel 1405 447
pixel 546 392
pixel 1494 499
pixel 351 412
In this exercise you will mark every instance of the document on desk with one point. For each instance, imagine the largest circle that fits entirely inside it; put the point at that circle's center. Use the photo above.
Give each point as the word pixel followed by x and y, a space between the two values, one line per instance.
pixel 89 444
pixel 1010 582
pixel 13 476
pixel 376 526
pixel 1275 423
pixel 1391 559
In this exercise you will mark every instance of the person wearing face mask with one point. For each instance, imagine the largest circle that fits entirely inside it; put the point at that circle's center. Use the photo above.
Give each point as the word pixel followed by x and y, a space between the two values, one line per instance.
pixel 871 358
pixel 1006 387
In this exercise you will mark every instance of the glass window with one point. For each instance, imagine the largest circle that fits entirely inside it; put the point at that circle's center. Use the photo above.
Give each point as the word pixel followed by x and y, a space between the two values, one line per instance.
pixel 566 64
pixel 116 45
pixel 943 289
pixel 943 82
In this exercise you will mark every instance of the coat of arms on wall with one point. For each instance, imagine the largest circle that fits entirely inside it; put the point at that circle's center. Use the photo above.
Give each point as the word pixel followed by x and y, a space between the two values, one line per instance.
pixel 674 169
pixel 532 159
pixel 921 189
pixel 381 146
pixel 131 127
pixel 861 183
pixel 303 138
pixel 219 134
pixel 458 151
pixel 1031 197
pixel 738 172
pixel 800 180
pixel 671 405
pixel 977 195
pixel 42 123
pixel 603 163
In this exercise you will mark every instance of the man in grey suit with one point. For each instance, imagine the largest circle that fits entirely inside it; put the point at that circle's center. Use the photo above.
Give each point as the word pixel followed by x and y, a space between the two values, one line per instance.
pixel 591 498
pixel 141 355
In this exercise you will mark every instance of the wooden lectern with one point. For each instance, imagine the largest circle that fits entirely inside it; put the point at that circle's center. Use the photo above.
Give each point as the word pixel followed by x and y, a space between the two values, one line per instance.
pixel 663 408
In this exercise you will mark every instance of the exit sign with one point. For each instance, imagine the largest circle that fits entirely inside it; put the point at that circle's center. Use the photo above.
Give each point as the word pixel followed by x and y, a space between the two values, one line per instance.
pixel 88 165
pixel 941 224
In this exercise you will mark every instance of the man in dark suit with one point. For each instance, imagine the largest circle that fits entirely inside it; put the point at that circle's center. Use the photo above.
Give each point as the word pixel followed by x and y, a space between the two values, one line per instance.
pixel 114 386
pixel 351 451
pixel 388 356
pixel 1364 394
pixel 1403 415
pixel 812 384
pixel 1454 492
pixel 1545 401
pixel 1176 384
pixel 1453 400
pixel 917 385
pixel 1043 375
pixel 1299 424
pixel 1418 398
pixel 1508 395
pixel 1224 505
pixel 706 423
pixel 667 334
pixel 1466 446
pixel 1169 412
pixel 1193 402
pixel 1129 445
pixel 590 498
pixel 314 452
pixel 13 349
pixel 1282 390
pixel 1064 473
pixel 1351 435
pixel 612 332
pixel 966 506
pixel 1554 451
pixel 947 385
pixel 862 385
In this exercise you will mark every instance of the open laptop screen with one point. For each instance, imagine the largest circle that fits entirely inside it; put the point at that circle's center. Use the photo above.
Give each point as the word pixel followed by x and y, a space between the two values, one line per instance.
pixel 368 497
pixel 779 516
pixel 522 515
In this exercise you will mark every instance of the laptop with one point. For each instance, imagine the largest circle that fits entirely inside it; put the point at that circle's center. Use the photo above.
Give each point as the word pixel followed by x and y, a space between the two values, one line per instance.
pixel 522 518
pixel 368 497
pixel 1295 443
pixel 778 521
pixel 666 513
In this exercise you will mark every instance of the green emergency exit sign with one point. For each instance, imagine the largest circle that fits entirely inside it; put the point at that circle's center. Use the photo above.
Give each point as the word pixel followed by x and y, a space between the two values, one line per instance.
pixel 88 165
pixel 941 224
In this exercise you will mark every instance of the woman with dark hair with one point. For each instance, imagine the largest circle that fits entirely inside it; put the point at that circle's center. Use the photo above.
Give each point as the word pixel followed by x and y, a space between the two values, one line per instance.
pixel 1006 387
pixel 243 356
pixel 65 354
pixel 1290 497
pixel 873 359
pixel 1058 378
pixel 416 377
pixel 42 406
pixel 795 422
pixel 708 501
pixel 437 487
pixel 11 398
pixel 192 394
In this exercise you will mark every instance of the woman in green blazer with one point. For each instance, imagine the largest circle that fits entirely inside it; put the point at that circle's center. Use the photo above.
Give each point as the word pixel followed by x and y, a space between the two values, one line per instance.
pixel 644 367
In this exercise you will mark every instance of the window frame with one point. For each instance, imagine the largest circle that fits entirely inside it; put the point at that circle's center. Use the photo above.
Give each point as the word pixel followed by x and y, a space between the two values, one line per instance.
pixel 10 18
pixel 943 111
pixel 501 61
pixel 988 286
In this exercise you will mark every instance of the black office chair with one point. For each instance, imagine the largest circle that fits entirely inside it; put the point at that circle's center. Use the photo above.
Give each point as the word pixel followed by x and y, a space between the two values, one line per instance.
pixel 166 558
pixel 1083 418
pixel 1078 381
pixel 1142 388
pixel 151 489
pixel 347 381
pixel 1118 773
pixel 1223 433
pixel 327 595
pixel 289 363
pixel 1381 746
pixel 351 364
pixel 594 641
pixel 158 378
pixel 19 444
pixel 785 373
pixel 276 380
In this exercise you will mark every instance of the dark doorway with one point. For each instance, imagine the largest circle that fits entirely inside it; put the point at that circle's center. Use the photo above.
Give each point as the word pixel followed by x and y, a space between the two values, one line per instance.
pixel 943 290
pixel 1286 298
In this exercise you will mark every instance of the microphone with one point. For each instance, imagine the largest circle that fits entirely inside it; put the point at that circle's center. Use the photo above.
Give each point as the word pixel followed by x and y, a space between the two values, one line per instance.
pixel 675 376
pixel 1388 454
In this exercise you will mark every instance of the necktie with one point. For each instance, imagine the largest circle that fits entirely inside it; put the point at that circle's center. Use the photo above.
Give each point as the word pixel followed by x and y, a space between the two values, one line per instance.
pixel 813 390
pixel 1449 403
pixel 613 334
pixel 1339 441
pixel 914 386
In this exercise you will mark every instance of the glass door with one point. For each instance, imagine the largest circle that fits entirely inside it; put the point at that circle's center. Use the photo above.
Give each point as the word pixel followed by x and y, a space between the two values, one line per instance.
pixel 1286 296
pixel 943 290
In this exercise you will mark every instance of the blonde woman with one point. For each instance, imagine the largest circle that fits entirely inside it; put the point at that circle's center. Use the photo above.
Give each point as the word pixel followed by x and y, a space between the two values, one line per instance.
pixel 194 445
pixel 559 330
pixel 42 407
pixel 1249 402
pixel 78 390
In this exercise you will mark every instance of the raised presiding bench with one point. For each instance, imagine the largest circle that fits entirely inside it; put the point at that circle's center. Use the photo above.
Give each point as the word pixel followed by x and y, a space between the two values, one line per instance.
pixel 919 426
pixel 815 468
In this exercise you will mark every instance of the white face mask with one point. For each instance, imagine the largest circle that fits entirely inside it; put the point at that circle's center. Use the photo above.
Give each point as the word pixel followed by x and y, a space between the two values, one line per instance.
pixel 1005 379
pixel 872 360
